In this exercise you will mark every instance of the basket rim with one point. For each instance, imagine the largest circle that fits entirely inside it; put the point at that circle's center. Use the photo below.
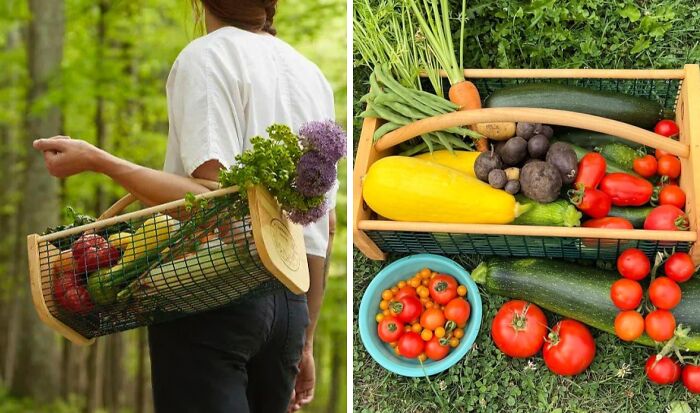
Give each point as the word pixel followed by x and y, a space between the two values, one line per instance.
pixel 582 73
pixel 101 223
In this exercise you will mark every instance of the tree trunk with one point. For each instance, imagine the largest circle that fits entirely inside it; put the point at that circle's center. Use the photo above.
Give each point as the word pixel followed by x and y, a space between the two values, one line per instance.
pixel 336 381
pixel 95 365
pixel 36 371
pixel 141 371
pixel 100 127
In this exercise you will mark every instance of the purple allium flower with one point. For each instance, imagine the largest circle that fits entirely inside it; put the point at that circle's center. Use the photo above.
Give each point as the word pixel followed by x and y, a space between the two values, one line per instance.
pixel 310 216
pixel 315 174
pixel 326 137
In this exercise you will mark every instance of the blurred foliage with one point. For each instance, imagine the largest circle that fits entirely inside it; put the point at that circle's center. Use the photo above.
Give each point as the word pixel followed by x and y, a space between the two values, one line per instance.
pixel 128 71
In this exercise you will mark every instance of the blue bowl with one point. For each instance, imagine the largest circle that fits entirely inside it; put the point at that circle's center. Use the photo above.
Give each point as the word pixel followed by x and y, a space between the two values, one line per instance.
pixel 404 269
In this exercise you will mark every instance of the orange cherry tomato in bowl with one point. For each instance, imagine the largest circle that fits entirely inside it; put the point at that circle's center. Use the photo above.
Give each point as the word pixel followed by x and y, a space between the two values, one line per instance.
pixel 645 166
pixel 664 293
pixel 660 325
pixel 670 166
pixel 629 325
pixel 442 288
pixel 633 264
pixel 458 310
pixel 672 195
pixel 432 318
pixel 626 294
pixel 437 349
pixel 679 267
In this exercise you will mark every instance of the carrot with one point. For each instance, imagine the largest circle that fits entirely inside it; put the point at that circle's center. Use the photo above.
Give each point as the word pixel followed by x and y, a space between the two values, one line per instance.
pixel 465 95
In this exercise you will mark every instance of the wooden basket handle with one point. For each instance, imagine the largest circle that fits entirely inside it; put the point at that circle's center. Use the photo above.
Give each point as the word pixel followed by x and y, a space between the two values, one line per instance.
pixel 129 199
pixel 533 115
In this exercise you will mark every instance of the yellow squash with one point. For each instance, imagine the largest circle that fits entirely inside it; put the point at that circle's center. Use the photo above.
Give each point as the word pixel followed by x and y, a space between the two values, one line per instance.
pixel 460 160
pixel 148 236
pixel 120 240
pixel 409 189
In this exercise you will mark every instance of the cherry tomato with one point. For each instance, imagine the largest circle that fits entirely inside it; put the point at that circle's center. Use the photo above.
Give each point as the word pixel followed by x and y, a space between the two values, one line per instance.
pixel 410 345
pixel 405 291
pixel 443 288
pixel 664 371
pixel 591 169
pixel 645 166
pixel 70 293
pixel 633 264
pixel 666 127
pixel 664 293
pixel 670 166
pixel 660 325
pixel 679 267
pixel 437 349
pixel 691 378
pixel 666 217
pixel 407 309
pixel 608 222
pixel 519 328
pixel 426 335
pixel 432 318
pixel 458 310
pixel 629 325
pixel 626 190
pixel 570 348
pixel 390 329
pixel 626 294
pixel 672 195
pixel 592 202
pixel 659 153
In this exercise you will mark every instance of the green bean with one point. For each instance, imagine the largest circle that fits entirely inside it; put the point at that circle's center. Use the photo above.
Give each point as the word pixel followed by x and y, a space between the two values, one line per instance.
pixel 369 113
pixel 455 141
pixel 442 138
pixel 384 129
pixel 418 95
pixel 413 150
pixel 427 138
pixel 391 116
pixel 414 109
pixel 405 95
pixel 373 84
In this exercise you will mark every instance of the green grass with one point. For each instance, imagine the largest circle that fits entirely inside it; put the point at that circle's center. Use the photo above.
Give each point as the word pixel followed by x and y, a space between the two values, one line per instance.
pixel 488 381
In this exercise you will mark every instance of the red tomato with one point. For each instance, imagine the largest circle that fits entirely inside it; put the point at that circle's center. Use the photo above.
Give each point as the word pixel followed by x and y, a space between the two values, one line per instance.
pixel 645 166
pixel 591 169
pixel 71 295
pixel 662 371
pixel 390 329
pixel 407 309
pixel 666 217
pixel 659 153
pixel 405 291
pixel 432 318
pixel 670 166
pixel 672 195
pixel 592 202
pixel 633 264
pixel 411 345
pixel 629 325
pixel 679 267
pixel 666 127
pixel 691 378
pixel 458 310
pixel 608 222
pixel 626 190
pixel 626 294
pixel 570 348
pixel 435 350
pixel 664 293
pixel 442 288
pixel 519 328
pixel 660 325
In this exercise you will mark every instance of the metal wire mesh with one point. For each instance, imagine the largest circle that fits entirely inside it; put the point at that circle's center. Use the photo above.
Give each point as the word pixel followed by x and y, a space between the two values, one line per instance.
pixel 152 269
pixel 515 245
pixel 665 91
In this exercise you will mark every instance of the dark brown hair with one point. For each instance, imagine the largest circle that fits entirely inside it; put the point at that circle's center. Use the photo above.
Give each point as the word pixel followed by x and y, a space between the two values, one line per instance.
pixel 251 15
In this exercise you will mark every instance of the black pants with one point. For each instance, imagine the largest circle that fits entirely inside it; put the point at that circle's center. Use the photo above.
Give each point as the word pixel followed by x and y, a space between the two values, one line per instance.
pixel 241 358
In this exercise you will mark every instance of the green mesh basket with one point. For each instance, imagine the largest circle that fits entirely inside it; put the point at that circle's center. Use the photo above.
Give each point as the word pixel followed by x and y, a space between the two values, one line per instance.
pixel 162 263
pixel 676 90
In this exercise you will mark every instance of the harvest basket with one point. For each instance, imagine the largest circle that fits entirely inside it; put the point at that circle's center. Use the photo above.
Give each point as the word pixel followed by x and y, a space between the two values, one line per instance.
pixel 164 268
pixel 677 90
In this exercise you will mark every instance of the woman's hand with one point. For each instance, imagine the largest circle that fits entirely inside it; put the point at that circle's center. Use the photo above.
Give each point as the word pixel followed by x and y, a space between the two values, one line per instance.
pixel 64 156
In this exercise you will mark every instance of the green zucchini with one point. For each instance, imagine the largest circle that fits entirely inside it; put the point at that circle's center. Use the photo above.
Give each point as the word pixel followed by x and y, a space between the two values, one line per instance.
pixel 635 215
pixel 625 108
pixel 578 292
pixel 610 165
pixel 619 153
pixel 591 140
pixel 560 213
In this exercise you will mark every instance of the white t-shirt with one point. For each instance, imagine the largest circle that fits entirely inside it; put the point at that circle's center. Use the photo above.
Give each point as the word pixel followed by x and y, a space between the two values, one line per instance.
pixel 229 86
